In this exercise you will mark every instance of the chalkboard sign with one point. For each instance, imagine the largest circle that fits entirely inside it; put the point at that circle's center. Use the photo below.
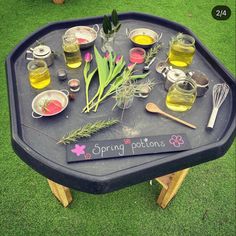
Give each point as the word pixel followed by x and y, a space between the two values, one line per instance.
pixel 127 147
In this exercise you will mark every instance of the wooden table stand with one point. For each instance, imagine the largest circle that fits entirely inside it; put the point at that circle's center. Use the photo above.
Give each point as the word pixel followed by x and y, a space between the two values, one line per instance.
pixel 170 183
pixel 170 186
pixel 61 192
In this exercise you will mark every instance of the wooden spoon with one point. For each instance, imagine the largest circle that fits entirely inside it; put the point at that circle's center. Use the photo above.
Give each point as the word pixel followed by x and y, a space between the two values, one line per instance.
pixel 152 107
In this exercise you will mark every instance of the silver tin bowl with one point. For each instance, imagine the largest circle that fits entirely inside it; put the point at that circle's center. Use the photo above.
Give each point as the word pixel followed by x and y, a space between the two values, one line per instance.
pixel 143 31
pixel 59 95
pixel 202 82
pixel 85 35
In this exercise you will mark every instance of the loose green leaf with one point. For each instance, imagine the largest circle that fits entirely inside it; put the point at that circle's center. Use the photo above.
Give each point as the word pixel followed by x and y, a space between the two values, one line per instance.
pixel 106 25
pixel 111 25
pixel 114 18
pixel 142 76
pixel 103 72
pixel 117 27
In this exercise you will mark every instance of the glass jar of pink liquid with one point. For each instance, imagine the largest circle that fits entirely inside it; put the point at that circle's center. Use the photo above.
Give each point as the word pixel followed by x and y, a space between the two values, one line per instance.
pixel 137 55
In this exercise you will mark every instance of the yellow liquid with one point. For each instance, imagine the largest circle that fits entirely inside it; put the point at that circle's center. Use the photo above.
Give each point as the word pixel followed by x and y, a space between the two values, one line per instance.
pixel 177 101
pixel 180 55
pixel 72 55
pixel 39 78
pixel 143 39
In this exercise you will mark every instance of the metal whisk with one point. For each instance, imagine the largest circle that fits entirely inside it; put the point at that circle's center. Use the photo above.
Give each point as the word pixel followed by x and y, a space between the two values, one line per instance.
pixel 219 94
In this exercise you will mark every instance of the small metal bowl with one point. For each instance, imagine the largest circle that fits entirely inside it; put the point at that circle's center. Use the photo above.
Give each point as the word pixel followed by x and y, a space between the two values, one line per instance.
pixel 85 35
pixel 202 82
pixel 60 95
pixel 143 31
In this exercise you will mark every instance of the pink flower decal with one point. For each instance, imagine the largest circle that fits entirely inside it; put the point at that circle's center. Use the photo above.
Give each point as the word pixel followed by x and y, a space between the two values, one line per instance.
pixel 176 140
pixel 88 57
pixel 79 150
pixel 127 141
pixel 87 156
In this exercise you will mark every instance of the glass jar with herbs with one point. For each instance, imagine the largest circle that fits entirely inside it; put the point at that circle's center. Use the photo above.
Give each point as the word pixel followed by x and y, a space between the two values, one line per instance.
pixel 110 26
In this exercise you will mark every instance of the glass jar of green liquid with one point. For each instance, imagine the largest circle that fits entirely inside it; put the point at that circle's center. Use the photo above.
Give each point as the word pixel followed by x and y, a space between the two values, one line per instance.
pixel 182 50
pixel 181 95
pixel 71 50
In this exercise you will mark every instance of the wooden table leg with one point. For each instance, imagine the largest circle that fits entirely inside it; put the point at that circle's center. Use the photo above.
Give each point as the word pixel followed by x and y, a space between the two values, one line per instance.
pixel 61 192
pixel 171 184
pixel 58 1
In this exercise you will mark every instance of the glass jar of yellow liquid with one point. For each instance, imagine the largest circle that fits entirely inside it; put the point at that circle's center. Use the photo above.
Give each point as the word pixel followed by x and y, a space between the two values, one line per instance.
pixel 182 50
pixel 181 95
pixel 71 50
pixel 39 75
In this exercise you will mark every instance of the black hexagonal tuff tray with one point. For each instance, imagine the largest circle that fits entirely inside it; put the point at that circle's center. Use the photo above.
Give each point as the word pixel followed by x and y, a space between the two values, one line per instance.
pixel 33 139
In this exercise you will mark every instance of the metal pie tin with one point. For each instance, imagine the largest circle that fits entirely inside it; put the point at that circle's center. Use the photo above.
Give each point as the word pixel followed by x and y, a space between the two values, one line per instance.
pixel 60 95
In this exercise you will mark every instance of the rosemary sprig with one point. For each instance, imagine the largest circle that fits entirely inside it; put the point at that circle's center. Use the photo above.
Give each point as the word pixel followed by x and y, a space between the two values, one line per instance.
pixel 152 52
pixel 86 131
pixel 147 85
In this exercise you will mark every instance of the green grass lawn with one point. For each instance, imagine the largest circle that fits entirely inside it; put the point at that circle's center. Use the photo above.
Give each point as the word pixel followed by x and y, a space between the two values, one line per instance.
pixel 205 205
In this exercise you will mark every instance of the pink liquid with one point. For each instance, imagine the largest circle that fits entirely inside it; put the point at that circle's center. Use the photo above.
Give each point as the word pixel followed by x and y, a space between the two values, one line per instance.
pixel 82 41
pixel 52 107
pixel 136 57
pixel 74 83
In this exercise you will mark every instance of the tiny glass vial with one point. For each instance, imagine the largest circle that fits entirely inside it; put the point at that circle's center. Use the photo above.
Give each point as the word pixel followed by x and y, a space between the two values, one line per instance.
pixel 74 85
pixel 61 75
pixel 182 50
pixel 181 95
pixel 71 50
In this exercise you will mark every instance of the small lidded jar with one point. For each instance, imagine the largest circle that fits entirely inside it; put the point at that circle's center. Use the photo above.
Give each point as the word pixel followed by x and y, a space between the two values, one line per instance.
pixel 181 95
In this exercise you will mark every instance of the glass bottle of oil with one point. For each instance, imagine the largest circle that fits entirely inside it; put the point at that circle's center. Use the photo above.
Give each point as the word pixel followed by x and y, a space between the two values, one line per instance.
pixel 181 95
pixel 182 50
pixel 71 50
pixel 39 76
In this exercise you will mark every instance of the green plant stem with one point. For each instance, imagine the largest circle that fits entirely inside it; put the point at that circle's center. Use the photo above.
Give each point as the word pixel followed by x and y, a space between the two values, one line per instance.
pixel 114 71
pixel 102 99
pixel 119 81
pixel 87 79
pixel 86 69
pixel 90 102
